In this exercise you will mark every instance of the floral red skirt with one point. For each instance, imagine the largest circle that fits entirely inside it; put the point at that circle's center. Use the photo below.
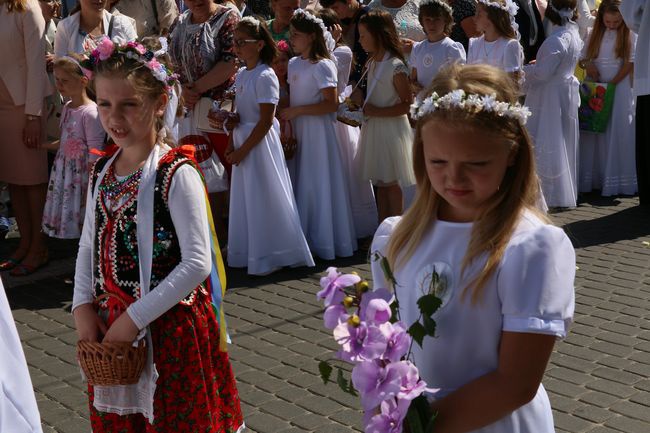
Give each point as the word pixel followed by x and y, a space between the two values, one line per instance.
pixel 196 390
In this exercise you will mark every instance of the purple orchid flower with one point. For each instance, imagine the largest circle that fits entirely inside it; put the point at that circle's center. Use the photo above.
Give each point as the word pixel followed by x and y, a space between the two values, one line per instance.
pixel 390 419
pixel 377 311
pixel 398 342
pixel 334 315
pixel 360 343
pixel 367 297
pixel 333 284
pixel 412 386
pixel 376 383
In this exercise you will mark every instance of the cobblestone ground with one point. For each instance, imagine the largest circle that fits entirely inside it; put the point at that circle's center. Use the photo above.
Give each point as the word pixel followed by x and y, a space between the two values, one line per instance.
pixel 598 378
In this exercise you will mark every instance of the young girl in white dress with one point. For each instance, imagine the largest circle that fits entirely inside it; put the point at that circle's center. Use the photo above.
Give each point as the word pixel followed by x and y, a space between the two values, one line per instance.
pixel 320 183
pixel 499 45
pixel 506 274
pixel 362 197
pixel 264 227
pixel 81 132
pixel 386 135
pixel 438 49
pixel 607 160
pixel 552 96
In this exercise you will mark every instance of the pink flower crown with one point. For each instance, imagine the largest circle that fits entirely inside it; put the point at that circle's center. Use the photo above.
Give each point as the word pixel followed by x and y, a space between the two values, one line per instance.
pixel 131 50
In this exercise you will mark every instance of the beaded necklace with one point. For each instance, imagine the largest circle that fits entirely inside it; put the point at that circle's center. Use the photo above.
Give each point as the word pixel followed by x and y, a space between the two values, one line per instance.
pixel 113 189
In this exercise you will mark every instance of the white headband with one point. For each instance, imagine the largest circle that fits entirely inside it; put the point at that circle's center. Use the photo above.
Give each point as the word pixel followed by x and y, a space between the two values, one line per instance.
pixel 329 40
pixel 252 20
pixel 510 6
pixel 458 99
pixel 566 14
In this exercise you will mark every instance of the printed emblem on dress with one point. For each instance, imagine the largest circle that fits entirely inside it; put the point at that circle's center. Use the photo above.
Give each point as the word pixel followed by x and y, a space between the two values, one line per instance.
pixel 435 278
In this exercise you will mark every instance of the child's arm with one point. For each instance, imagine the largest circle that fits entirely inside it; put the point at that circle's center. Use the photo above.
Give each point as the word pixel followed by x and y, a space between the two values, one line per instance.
pixel 329 104
pixel 88 324
pixel 187 206
pixel 51 145
pixel 625 70
pixel 522 362
pixel 94 134
pixel 403 89
pixel 414 80
pixel 267 113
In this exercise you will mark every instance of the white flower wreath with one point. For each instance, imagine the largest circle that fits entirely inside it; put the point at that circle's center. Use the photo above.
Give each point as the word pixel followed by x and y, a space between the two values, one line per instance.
pixel 472 103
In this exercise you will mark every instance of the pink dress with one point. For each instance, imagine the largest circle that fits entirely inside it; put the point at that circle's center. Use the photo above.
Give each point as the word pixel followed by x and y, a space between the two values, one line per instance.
pixel 65 206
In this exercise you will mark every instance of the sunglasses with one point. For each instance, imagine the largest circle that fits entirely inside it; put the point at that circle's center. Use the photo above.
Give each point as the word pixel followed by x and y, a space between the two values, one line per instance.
pixel 242 42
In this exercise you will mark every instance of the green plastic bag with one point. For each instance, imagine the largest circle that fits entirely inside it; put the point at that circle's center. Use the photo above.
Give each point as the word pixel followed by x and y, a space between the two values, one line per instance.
pixel 596 100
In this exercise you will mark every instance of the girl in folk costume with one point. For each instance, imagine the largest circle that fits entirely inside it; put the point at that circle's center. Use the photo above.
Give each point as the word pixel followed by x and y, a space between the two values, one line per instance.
pixel 607 161
pixel 552 95
pixel 499 45
pixel 320 183
pixel 362 197
pixel 81 132
pixel 264 226
pixel 475 238
pixel 386 136
pixel 148 243
pixel 437 50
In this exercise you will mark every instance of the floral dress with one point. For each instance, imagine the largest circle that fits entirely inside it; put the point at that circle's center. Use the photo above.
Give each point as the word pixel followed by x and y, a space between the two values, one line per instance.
pixel 65 205
pixel 196 390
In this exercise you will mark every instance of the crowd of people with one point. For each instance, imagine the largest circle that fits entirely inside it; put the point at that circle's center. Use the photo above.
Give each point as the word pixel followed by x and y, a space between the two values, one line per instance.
pixel 276 133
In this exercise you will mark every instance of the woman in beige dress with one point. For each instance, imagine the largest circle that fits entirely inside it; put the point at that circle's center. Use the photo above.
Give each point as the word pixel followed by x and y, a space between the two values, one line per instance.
pixel 23 165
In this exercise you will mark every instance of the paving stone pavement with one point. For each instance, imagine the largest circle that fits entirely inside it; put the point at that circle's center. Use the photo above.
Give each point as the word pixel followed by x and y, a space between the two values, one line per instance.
pixel 598 378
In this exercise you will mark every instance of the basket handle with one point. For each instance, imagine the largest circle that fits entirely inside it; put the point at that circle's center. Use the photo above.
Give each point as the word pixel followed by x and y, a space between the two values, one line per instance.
pixel 107 295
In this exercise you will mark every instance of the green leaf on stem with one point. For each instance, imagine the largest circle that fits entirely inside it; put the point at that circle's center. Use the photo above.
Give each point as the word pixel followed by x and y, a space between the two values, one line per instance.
pixel 417 331
pixel 429 304
pixel 429 326
pixel 325 370
pixel 413 419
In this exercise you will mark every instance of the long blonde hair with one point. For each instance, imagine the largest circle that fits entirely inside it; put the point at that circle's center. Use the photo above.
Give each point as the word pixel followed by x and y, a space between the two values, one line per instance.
pixel 622 47
pixel 519 190
pixel 17 5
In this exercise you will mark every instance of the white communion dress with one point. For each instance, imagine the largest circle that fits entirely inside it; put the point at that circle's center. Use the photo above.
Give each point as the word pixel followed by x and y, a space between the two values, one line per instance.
pixel 552 97
pixel 264 226
pixel 608 160
pixel 320 183
pixel 362 197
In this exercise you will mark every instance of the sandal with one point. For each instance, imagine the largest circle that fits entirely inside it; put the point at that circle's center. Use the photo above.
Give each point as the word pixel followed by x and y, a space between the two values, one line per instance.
pixel 23 269
pixel 8 264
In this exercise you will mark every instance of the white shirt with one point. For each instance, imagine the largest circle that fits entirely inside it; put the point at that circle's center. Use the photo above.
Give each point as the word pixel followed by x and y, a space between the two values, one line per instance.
pixel 636 14
pixel 18 410
pixel 531 291
pixel 503 53
pixel 69 40
pixel 428 57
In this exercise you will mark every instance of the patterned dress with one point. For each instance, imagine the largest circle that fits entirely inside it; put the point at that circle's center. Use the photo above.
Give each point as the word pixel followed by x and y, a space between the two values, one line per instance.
pixel 196 389
pixel 65 206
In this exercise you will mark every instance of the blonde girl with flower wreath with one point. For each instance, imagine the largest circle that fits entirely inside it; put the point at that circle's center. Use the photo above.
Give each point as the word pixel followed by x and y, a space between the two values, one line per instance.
pixel 320 184
pixel 81 132
pixel 149 268
pixel 499 43
pixel 475 238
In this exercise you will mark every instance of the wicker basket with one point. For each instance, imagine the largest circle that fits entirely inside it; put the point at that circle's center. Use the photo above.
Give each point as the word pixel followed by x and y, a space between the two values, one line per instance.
pixel 108 364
